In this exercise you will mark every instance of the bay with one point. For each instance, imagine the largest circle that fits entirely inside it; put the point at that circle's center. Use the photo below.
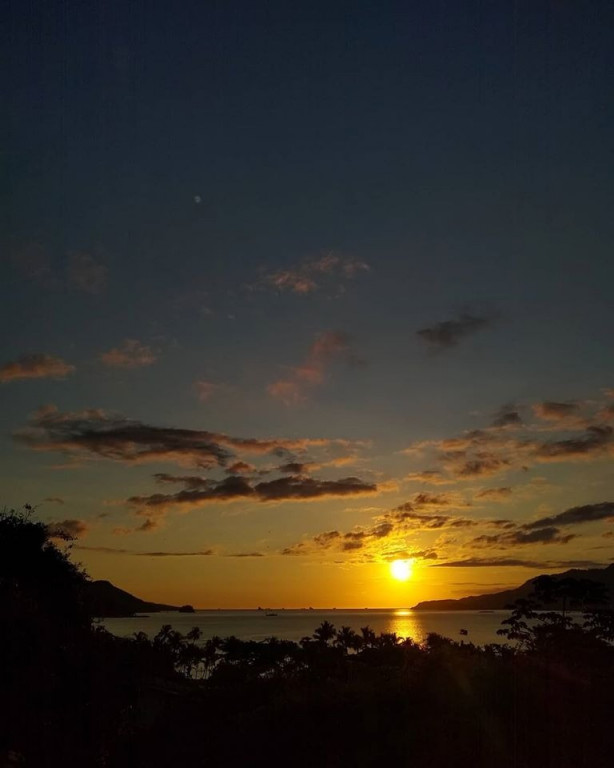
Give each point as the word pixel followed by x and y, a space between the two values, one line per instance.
pixel 289 624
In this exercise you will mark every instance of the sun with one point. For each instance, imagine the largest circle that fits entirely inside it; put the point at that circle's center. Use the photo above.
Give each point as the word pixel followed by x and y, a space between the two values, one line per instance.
pixel 401 569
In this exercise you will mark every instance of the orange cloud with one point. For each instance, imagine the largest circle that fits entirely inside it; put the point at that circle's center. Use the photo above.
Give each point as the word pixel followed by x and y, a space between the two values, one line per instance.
pixel 312 274
pixel 327 347
pixel 35 367
pixel 131 354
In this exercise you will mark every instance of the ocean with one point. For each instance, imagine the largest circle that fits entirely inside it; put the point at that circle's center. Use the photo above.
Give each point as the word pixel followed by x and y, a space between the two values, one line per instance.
pixel 289 624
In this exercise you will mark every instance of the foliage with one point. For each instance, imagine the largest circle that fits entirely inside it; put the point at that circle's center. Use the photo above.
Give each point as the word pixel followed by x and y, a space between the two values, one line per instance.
pixel 82 697
pixel 538 630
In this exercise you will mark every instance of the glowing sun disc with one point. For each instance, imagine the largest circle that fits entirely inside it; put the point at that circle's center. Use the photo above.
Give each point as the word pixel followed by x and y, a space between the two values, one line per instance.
pixel 401 569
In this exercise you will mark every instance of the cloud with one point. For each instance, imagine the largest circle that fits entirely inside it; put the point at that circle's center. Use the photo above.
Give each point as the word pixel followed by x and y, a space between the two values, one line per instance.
pixel 507 416
pixel 596 440
pixel 293 468
pixel 409 554
pixel 385 537
pixel 35 367
pixel 497 449
pixel 150 524
pixel 421 521
pixel 481 464
pixel 429 476
pixel 205 389
pixel 72 529
pixel 201 553
pixel 553 411
pixel 412 515
pixel 494 494
pixel 240 468
pixel 359 538
pixel 548 535
pixel 327 347
pixel 247 554
pixel 85 274
pixel 423 500
pixel 94 433
pixel 54 500
pixel 499 562
pixel 235 487
pixel 115 551
pixel 588 513
pixel 313 274
pixel 607 413
pixel 131 354
pixel 449 333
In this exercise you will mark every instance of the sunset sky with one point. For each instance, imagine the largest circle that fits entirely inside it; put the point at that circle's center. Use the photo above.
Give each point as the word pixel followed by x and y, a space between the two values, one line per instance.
pixel 292 290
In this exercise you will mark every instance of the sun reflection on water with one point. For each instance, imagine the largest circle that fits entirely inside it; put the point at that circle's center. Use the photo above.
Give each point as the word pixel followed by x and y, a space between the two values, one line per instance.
pixel 407 624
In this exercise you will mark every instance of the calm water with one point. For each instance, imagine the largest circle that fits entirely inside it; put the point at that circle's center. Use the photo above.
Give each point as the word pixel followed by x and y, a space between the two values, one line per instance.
pixel 295 624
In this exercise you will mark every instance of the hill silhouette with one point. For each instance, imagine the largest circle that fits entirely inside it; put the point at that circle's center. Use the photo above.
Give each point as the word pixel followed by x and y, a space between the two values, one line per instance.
pixel 105 600
pixel 500 600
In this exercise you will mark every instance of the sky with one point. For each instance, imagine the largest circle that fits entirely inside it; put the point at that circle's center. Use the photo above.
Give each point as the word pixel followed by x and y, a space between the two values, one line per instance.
pixel 291 291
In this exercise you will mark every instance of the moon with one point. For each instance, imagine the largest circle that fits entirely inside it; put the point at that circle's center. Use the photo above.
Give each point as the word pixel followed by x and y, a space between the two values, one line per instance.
pixel 400 569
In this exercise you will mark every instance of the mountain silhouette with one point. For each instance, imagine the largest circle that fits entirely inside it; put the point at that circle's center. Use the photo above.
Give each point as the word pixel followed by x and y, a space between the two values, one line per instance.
pixel 500 600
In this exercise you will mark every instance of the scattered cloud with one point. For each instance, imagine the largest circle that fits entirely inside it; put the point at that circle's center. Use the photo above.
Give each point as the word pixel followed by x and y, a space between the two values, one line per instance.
pixel 494 494
pixel 588 513
pixel 553 411
pixel 95 433
pixel 72 528
pixel 328 347
pixel 500 562
pixel 497 449
pixel 293 468
pixel 86 274
pixel 549 535
pixel 246 554
pixel 607 413
pixel 131 354
pixel 430 477
pixel 134 553
pixel 449 333
pixel 507 416
pixel 35 367
pixel 149 525
pixel 596 440
pixel 235 487
pixel 314 274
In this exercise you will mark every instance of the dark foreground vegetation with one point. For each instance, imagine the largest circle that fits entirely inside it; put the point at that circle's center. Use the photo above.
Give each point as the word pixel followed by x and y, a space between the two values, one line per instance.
pixel 74 695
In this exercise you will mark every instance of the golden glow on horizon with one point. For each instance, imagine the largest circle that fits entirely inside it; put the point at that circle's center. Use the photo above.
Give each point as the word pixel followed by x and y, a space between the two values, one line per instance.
pixel 401 569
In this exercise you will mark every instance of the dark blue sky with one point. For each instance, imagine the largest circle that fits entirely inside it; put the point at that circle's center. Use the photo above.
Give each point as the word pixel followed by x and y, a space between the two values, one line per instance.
pixel 239 217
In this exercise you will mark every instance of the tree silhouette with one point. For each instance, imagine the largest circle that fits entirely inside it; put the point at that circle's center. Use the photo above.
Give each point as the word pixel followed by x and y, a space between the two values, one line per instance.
pixel 348 639
pixel 324 633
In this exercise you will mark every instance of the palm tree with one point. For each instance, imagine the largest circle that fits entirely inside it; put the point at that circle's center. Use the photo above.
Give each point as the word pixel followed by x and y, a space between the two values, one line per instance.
pixel 368 636
pixel 348 640
pixel 324 633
